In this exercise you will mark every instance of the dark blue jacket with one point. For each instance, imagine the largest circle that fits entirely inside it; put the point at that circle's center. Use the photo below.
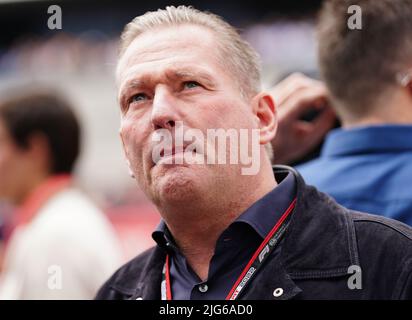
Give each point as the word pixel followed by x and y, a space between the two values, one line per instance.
pixel 318 249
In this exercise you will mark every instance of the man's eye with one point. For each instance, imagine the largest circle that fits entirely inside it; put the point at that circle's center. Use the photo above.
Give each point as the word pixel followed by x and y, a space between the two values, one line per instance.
pixel 191 84
pixel 138 97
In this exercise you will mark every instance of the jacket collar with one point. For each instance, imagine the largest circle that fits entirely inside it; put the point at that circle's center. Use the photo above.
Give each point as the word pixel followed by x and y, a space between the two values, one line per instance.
pixel 319 243
pixel 368 139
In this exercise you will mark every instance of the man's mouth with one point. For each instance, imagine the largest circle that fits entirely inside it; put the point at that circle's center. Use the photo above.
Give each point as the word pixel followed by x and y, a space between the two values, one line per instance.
pixel 172 151
pixel 166 155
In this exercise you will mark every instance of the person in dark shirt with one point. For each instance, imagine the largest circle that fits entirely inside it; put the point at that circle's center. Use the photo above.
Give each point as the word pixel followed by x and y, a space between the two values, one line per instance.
pixel 227 232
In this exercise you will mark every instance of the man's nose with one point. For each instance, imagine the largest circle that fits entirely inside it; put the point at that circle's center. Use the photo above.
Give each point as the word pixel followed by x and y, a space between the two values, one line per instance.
pixel 164 113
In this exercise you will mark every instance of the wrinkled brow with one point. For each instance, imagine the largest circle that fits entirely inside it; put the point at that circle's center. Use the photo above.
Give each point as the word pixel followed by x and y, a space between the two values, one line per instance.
pixel 191 74
pixel 170 75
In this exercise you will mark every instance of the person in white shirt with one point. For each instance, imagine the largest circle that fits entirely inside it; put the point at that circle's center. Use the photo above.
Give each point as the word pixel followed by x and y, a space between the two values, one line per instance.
pixel 60 245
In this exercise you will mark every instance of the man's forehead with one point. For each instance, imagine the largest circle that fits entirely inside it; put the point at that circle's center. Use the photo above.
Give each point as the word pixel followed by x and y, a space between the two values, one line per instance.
pixel 176 62
pixel 173 69
pixel 162 43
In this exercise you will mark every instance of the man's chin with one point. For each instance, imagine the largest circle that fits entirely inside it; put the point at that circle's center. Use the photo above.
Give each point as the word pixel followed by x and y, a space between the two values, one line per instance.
pixel 175 184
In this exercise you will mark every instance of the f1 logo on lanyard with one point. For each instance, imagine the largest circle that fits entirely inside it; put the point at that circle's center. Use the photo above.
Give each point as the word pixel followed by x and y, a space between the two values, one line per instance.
pixel 256 262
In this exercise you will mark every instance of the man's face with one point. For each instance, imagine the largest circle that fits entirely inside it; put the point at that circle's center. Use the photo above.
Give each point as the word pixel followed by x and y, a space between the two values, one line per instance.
pixel 12 169
pixel 169 76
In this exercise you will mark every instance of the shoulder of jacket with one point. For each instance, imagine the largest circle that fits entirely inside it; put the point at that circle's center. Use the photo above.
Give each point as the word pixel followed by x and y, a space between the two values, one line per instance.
pixel 364 221
pixel 124 281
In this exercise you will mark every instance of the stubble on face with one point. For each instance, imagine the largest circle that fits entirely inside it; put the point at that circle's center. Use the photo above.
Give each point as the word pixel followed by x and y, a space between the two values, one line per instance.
pixel 196 47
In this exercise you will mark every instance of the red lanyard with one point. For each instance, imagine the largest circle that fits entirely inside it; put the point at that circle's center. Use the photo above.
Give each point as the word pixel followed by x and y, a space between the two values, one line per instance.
pixel 257 260
pixel 166 289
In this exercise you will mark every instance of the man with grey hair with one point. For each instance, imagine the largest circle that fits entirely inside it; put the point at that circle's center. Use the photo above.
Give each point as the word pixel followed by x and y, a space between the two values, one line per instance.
pixel 224 234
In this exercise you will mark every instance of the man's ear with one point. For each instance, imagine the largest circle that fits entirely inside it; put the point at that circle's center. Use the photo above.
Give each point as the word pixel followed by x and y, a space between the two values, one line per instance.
pixel 38 151
pixel 265 113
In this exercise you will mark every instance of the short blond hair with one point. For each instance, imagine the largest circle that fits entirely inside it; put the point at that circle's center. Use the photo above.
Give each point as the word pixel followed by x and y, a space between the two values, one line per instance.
pixel 236 54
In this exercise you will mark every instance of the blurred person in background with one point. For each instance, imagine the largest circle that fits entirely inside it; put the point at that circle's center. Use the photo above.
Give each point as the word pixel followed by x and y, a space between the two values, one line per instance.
pixel 61 246
pixel 367 164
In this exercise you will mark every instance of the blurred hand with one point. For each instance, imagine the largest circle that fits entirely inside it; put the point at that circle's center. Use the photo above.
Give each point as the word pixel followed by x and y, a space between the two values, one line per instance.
pixel 294 97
